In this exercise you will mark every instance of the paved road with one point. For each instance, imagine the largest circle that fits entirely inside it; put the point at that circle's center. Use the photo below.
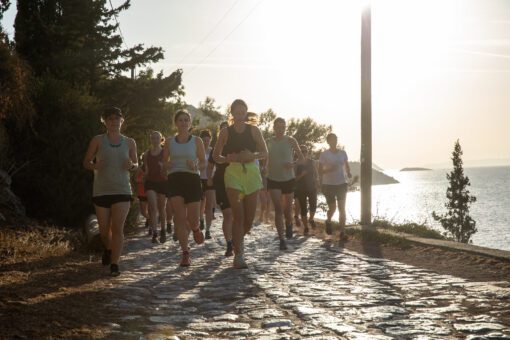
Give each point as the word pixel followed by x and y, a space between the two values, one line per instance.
pixel 312 290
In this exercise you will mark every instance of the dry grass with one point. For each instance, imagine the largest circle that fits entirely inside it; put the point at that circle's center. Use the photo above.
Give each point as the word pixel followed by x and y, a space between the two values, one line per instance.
pixel 28 243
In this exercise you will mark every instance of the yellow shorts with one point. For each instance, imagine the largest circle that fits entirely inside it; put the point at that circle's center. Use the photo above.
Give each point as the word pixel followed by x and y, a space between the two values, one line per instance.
pixel 245 179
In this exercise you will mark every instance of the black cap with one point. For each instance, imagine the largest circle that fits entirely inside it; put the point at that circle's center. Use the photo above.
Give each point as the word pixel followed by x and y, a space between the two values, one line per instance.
pixel 112 110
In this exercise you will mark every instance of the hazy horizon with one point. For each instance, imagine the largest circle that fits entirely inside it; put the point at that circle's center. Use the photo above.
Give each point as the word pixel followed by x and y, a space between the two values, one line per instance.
pixel 440 68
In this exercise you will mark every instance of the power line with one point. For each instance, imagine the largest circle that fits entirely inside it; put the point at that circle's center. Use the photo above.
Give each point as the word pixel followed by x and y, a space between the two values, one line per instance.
pixel 227 36
pixel 208 34
pixel 118 25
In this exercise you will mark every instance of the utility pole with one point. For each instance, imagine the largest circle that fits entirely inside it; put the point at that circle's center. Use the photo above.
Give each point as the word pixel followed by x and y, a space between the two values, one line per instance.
pixel 366 115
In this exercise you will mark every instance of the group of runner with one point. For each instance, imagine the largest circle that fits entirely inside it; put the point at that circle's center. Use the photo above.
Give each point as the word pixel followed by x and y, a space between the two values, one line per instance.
pixel 184 178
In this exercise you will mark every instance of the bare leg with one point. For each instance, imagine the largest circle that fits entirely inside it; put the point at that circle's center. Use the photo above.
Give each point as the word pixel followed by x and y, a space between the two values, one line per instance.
pixel 152 199
pixel 263 204
pixel 268 206
pixel 276 197
pixel 162 211
pixel 341 217
pixel 210 202
pixel 250 207
pixel 144 209
pixel 227 224
pixel 287 207
pixel 181 223
pixel 331 210
pixel 192 216
pixel 169 211
pixel 238 219
pixel 202 207
pixel 297 211
pixel 119 212
pixel 103 219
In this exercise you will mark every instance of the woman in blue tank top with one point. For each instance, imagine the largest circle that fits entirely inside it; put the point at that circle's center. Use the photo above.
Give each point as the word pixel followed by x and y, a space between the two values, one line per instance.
pixel 184 158
pixel 111 156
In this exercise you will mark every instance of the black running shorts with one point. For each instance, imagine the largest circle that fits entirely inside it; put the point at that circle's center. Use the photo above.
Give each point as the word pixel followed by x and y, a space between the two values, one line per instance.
pixel 185 185
pixel 106 201
pixel 287 187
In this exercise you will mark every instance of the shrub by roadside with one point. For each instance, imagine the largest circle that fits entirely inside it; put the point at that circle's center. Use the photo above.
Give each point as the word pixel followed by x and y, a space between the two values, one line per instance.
pixel 417 229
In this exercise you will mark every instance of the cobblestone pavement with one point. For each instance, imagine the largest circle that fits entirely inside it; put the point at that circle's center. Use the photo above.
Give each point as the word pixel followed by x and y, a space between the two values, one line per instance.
pixel 311 291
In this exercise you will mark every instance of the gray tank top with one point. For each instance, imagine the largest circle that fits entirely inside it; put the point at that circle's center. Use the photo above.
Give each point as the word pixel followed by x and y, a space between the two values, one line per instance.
pixel 180 153
pixel 279 153
pixel 112 179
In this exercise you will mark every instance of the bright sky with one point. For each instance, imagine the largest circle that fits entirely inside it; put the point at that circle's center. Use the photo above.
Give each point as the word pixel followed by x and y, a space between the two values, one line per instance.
pixel 441 68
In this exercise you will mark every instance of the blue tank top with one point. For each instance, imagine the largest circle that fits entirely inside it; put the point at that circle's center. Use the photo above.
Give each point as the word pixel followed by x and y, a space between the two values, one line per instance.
pixel 112 179
pixel 180 153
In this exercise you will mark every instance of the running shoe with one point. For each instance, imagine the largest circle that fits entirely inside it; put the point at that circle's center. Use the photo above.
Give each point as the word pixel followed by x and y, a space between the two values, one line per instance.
pixel 106 258
pixel 198 236
pixel 207 235
pixel 185 259
pixel 288 231
pixel 283 245
pixel 169 228
pixel 239 262
pixel 329 228
pixel 162 237
pixel 202 224
pixel 114 270
pixel 312 223
pixel 155 237
pixel 230 250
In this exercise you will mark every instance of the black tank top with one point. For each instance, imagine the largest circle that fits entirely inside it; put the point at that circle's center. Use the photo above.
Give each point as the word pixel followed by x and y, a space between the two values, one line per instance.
pixel 238 142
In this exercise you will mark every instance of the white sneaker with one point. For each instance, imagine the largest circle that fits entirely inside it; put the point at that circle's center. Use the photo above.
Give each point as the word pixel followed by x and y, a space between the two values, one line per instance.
pixel 239 262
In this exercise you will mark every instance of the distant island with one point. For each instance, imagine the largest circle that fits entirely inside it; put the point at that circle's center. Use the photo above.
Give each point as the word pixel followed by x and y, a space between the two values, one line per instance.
pixel 415 169
pixel 378 177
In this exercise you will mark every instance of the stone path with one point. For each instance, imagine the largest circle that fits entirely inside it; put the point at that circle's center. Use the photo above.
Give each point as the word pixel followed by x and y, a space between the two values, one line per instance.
pixel 312 290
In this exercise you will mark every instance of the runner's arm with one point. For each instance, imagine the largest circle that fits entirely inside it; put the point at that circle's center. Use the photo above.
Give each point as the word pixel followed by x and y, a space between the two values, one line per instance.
pixel 200 154
pixel 132 164
pixel 218 148
pixel 91 154
pixel 261 152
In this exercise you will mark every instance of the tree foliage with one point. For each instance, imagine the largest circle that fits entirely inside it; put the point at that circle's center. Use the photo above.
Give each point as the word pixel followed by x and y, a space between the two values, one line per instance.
pixel 76 40
pixel 144 102
pixel 52 182
pixel 265 124
pixel 306 131
pixel 75 61
pixel 15 101
pixel 457 221
pixel 211 110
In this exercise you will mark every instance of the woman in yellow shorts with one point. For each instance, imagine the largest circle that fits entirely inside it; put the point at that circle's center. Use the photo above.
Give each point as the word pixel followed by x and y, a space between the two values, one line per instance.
pixel 242 144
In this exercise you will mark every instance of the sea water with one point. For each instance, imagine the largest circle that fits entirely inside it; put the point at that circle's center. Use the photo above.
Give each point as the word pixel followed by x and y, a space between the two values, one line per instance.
pixel 419 193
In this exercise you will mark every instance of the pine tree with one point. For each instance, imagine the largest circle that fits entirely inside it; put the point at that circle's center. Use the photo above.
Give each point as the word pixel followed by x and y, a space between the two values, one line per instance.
pixel 457 221
pixel 76 40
